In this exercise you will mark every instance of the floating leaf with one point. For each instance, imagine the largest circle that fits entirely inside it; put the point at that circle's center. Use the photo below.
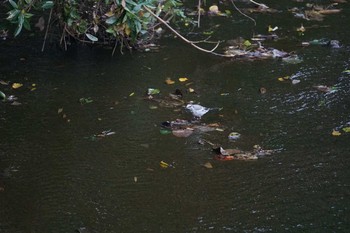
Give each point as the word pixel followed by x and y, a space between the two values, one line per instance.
pixel 281 79
pixel 153 91
pixel 336 133
pixel 165 131
pixel 208 33
pixel 16 85
pixel 346 129
pixel 214 9
pixel 208 165
pixel 182 133
pixel 169 81
pixel 183 79
pixel 15 103
pixel 4 82
pixel 228 12
pixel 234 136
pixel 135 179
pixel 2 95
pixel 190 90
pixel 163 164
pixel 152 107
pixel 60 110
pixel 346 71
pixel 132 93
pixel 301 29
pixel 85 100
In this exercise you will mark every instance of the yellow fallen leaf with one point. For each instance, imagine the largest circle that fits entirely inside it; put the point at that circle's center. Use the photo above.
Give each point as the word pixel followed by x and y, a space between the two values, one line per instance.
pixel 214 9
pixel 16 85
pixel 131 94
pixel 169 81
pixel 301 29
pixel 183 79
pixel 336 133
pixel 164 164
pixel 190 90
pixel 283 78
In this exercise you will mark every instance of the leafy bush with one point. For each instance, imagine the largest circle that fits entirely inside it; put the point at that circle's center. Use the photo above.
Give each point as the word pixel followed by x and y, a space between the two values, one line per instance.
pixel 95 21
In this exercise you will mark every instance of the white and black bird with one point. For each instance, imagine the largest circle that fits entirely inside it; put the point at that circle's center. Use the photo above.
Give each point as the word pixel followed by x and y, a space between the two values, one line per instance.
pixel 198 110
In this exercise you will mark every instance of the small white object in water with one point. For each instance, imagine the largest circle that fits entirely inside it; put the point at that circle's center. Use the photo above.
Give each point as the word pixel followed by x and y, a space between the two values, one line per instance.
pixel 197 110
pixel 295 81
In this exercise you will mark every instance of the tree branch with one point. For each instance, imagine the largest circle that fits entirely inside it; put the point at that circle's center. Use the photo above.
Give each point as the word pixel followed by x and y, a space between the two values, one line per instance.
pixel 259 4
pixel 234 5
pixel 47 30
pixel 185 39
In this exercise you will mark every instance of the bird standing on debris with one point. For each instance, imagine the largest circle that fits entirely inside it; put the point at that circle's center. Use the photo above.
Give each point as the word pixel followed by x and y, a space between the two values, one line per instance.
pixel 197 110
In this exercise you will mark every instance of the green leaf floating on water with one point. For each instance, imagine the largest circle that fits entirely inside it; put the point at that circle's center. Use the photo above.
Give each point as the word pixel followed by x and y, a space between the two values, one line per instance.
pixel 2 95
pixel 85 100
pixel 346 129
pixel 165 131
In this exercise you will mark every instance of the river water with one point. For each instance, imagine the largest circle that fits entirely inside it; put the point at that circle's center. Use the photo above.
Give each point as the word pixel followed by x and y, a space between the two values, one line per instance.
pixel 55 176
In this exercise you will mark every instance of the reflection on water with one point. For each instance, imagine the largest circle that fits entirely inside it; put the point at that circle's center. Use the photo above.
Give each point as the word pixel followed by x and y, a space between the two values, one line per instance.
pixel 53 178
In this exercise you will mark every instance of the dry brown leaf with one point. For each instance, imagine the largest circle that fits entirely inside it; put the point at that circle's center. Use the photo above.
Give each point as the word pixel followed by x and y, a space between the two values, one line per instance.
pixel 169 81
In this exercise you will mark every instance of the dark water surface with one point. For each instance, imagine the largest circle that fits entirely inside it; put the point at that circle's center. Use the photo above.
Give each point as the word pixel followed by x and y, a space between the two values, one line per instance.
pixel 54 178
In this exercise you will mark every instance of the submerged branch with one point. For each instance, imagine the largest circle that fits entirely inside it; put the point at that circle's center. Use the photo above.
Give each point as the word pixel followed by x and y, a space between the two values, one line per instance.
pixel 234 5
pixel 259 4
pixel 185 39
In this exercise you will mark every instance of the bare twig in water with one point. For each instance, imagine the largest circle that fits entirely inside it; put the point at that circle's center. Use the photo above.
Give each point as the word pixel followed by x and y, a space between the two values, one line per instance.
pixel 199 13
pixel 259 4
pixel 185 39
pixel 47 30
pixel 234 5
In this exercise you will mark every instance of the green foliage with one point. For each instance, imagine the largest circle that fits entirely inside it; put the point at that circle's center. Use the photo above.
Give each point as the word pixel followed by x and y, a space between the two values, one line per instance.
pixel 95 20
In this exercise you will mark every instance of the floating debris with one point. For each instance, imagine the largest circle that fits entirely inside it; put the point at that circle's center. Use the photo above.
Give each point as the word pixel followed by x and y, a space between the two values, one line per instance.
pixel 208 165
pixel 236 154
pixel 166 165
pixel 234 136
pixel 85 100
pixel 101 135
